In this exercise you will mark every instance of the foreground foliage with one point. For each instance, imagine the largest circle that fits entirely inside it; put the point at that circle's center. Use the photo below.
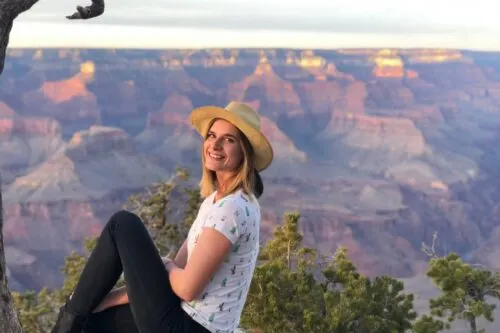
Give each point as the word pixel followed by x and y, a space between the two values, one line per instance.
pixel 294 289
pixel 292 292
pixel 467 291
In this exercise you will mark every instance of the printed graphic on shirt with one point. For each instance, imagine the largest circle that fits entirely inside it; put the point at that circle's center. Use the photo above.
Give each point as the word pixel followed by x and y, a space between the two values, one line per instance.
pixel 220 304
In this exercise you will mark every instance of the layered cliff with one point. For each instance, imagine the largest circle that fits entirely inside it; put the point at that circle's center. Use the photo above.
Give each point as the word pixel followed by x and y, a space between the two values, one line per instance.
pixel 26 142
pixel 67 100
pixel 91 165
pixel 370 132
pixel 377 148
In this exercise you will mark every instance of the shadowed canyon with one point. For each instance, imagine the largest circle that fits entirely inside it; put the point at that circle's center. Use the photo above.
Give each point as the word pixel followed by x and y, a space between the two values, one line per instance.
pixel 377 148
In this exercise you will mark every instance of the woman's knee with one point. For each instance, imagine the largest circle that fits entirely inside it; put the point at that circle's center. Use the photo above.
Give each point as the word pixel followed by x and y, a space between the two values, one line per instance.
pixel 125 220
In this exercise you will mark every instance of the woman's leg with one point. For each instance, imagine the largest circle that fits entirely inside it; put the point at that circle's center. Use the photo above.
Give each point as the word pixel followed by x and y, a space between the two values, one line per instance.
pixel 117 319
pixel 125 245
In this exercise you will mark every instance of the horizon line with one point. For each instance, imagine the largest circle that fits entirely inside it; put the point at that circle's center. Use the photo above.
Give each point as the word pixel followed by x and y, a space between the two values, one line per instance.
pixel 58 35
pixel 323 48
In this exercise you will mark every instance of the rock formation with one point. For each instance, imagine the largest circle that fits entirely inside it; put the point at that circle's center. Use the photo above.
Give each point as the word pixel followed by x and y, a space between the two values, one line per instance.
pixel 377 148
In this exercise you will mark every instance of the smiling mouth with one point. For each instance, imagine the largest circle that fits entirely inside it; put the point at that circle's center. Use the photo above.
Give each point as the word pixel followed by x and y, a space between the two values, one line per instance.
pixel 216 157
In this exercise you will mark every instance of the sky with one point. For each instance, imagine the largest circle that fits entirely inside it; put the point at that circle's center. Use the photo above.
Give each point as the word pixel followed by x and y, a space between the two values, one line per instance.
pixel 327 24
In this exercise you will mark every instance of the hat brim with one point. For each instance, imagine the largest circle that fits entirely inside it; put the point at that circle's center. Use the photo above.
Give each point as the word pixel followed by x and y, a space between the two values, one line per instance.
pixel 201 119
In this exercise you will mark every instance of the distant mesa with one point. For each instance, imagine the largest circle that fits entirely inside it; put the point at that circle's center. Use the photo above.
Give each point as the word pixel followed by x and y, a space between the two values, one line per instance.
pixel 99 140
pixel 434 56
pixel 217 58
pixel 97 132
pixel 178 103
pixel 390 65
pixel 317 66
pixel 309 60
pixel 410 56
pixel 306 59
pixel 76 86
pixel 174 111
pixel 68 100
pixel 387 64
pixel 265 83
pixel 368 132
pixel 393 63
pixel 264 68
pixel 65 90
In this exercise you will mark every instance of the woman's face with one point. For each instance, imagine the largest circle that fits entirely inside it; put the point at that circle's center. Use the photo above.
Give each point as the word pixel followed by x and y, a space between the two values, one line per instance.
pixel 222 148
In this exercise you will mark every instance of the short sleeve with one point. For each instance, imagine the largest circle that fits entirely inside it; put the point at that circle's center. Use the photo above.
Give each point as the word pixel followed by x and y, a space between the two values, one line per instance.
pixel 224 217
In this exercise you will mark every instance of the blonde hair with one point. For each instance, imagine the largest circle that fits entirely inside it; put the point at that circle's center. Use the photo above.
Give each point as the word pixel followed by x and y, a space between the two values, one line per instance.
pixel 247 177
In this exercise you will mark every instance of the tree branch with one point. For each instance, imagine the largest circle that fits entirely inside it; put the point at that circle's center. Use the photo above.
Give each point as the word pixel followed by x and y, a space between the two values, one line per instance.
pixel 9 10
pixel 5 28
pixel 15 7
pixel 430 251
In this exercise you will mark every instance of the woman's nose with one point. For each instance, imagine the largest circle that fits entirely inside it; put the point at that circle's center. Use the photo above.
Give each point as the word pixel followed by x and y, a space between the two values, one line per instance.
pixel 217 143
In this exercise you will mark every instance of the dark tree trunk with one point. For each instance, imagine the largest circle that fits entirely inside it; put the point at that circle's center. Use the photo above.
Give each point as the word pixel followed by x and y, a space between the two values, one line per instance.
pixel 8 318
pixel 473 328
pixel 9 10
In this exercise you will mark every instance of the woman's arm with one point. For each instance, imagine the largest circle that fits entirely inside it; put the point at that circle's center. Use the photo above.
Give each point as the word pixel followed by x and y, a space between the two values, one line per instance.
pixel 213 245
pixel 208 254
pixel 115 297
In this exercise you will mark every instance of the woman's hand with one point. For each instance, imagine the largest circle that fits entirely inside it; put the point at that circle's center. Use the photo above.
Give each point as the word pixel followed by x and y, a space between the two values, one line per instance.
pixel 115 297
pixel 166 260
pixel 169 263
pixel 101 307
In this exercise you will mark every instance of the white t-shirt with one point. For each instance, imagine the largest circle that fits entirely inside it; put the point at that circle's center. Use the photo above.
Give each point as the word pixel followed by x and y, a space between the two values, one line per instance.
pixel 218 307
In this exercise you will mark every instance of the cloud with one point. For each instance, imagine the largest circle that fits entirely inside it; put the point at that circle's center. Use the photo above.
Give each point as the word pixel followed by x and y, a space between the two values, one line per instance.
pixel 264 22
pixel 252 19
pixel 425 17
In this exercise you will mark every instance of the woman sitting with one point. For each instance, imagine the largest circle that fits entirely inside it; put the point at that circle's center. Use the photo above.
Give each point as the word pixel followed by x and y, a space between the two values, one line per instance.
pixel 204 288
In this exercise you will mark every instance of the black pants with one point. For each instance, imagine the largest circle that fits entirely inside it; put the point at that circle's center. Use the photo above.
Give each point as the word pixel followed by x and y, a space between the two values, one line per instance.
pixel 125 246
pixel 112 320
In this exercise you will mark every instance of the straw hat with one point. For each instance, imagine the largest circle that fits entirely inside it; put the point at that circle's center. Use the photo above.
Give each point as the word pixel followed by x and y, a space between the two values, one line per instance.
pixel 245 118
